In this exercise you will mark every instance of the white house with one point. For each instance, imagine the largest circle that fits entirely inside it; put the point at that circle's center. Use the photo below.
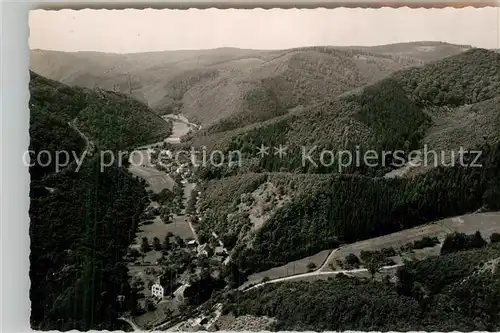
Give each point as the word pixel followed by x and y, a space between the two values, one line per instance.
pixel 157 291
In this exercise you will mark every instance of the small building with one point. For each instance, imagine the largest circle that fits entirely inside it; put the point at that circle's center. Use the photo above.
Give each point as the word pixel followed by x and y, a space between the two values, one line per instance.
pixel 192 242
pixel 219 250
pixel 157 291
pixel 202 250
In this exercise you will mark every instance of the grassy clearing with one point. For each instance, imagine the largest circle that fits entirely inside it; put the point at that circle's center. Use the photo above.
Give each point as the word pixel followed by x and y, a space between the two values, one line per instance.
pixel 486 223
pixel 292 268
pixel 179 227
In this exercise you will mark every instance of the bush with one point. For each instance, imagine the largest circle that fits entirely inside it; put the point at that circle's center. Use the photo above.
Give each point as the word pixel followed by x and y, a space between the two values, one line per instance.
pixel 145 245
pixel 460 242
pixel 388 252
pixel 495 237
pixel 134 253
pixel 311 266
pixel 157 244
pixel 425 242
pixel 352 260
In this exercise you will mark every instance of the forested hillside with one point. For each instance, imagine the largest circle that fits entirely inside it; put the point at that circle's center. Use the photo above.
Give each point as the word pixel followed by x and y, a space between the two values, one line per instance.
pixel 324 211
pixel 396 113
pixel 81 220
pixel 456 291
pixel 80 230
pixel 274 209
pixel 113 120
pixel 227 88
pixel 314 212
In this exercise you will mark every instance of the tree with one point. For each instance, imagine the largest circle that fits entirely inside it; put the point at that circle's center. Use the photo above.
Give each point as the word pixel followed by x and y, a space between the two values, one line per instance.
pixel 476 241
pixel 373 268
pixel 145 245
pixel 495 237
pixel 311 266
pixel 454 242
pixel 352 260
pixel 166 214
pixel 179 241
pixel 166 243
pixel 156 244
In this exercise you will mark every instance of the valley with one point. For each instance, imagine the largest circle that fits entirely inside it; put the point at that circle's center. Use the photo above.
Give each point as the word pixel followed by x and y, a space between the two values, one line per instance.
pixel 226 245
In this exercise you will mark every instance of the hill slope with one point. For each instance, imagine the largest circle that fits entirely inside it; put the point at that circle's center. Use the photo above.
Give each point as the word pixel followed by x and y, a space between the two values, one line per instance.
pixel 229 88
pixel 405 111
pixel 113 120
pixel 301 214
pixel 81 220
pixel 457 291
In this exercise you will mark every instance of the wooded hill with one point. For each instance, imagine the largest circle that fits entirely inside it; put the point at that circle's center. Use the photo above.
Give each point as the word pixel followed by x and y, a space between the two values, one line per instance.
pixel 399 112
pixel 423 105
pixel 227 88
pixel 82 221
pixel 113 120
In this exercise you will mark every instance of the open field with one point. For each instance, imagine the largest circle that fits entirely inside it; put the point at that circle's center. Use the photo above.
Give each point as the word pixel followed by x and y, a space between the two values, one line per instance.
pixel 146 273
pixel 394 240
pixel 486 223
pixel 291 268
pixel 158 228
pixel 181 126
pixel 164 309
pixel 156 179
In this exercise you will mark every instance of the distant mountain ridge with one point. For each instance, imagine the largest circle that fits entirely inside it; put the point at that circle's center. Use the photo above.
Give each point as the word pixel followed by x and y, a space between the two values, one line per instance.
pixel 228 87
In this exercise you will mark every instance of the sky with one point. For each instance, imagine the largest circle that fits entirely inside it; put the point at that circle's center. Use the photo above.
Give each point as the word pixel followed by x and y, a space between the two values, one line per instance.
pixel 131 30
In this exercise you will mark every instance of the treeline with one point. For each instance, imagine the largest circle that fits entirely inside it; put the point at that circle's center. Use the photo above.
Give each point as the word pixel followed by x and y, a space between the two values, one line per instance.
pixel 467 78
pixel 446 293
pixel 344 209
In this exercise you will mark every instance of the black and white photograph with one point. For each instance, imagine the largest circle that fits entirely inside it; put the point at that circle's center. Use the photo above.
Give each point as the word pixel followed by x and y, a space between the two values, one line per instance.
pixel 264 169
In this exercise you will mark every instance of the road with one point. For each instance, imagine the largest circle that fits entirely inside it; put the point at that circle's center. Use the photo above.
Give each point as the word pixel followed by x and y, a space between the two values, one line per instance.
pixel 131 322
pixel 89 145
pixel 327 260
pixel 458 222
pixel 318 273
pixel 188 189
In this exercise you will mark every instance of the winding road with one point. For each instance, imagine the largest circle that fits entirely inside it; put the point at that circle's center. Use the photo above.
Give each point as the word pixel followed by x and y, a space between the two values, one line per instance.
pixel 317 273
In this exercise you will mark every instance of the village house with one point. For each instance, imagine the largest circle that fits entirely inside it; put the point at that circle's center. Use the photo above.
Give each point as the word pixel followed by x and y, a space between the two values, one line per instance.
pixel 157 290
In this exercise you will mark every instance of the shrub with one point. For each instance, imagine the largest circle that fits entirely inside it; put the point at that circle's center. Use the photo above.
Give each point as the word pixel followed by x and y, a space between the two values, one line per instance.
pixel 145 245
pixel 425 242
pixel 311 266
pixel 495 237
pixel 460 242
pixel 352 260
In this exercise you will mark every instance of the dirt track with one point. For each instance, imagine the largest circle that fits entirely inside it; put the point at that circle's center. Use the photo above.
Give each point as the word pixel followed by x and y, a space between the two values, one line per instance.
pixel 486 223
